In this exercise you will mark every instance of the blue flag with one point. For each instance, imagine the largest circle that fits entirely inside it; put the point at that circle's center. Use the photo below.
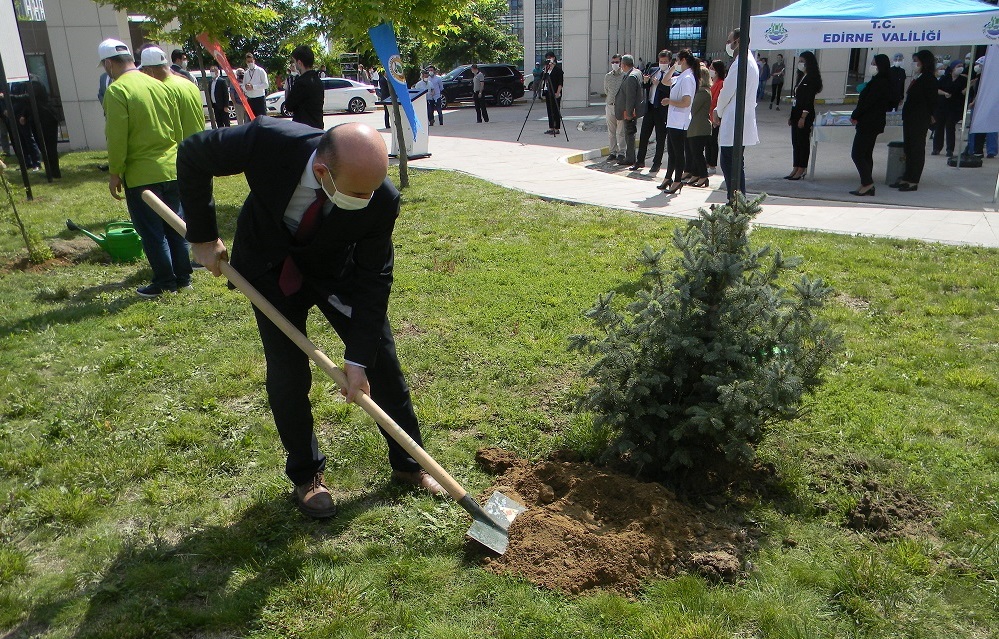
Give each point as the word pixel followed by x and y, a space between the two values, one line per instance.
pixel 383 38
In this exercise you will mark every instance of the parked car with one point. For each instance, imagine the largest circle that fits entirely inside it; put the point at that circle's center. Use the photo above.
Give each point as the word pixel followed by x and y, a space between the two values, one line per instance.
pixel 504 83
pixel 340 94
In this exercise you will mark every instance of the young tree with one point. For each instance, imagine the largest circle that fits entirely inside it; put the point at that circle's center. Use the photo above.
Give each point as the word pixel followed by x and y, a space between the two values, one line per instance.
pixel 476 35
pixel 710 353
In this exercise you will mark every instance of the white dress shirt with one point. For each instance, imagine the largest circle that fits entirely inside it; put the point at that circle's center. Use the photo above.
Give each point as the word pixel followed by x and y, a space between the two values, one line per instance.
pixel 726 104
pixel 257 78
pixel 683 84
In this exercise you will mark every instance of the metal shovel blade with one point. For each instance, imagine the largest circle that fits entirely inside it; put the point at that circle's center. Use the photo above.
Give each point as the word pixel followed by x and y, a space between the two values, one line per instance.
pixel 491 531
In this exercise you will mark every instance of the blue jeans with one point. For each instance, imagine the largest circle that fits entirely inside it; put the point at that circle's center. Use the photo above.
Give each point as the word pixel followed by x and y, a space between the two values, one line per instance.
pixel 726 167
pixel 165 249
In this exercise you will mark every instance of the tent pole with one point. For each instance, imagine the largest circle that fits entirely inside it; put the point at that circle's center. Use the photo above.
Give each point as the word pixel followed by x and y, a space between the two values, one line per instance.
pixel 964 114
pixel 740 102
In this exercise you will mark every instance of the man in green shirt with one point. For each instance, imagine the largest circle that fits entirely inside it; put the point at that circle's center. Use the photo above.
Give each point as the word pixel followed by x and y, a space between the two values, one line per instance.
pixel 185 93
pixel 142 126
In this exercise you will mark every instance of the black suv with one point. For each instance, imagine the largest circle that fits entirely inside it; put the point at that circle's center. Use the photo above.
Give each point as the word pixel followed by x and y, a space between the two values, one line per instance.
pixel 504 83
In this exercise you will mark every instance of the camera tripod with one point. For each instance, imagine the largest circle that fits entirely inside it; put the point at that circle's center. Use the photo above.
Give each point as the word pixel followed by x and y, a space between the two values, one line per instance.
pixel 546 85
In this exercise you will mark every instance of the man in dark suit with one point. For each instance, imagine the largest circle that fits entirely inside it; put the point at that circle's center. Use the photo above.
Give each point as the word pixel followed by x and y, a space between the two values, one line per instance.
pixel 656 85
pixel 315 230
pixel 220 97
pixel 305 99
pixel 629 104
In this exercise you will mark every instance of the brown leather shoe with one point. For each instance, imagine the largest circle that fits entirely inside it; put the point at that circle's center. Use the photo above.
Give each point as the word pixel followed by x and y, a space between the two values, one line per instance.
pixel 421 479
pixel 314 499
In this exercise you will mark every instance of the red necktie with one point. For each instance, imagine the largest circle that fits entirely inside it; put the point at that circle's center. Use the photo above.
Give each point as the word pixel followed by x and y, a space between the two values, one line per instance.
pixel 290 279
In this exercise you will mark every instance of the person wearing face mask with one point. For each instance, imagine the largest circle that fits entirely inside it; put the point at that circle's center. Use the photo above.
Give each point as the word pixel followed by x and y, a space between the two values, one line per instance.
pixel 435 95
pixel 723 115
pixel 305 99
pixel 869 117
pixel 656 86
pixel 615 130
pixel 255 86
pixel 898 78
pixel 917 117
pixel 950 106
pixel 553 79
pixel 681 97
pixel 179 66
pixel 219 90
pixel 717 76
pixel 802 117
pixel 980 143
pixel 314 231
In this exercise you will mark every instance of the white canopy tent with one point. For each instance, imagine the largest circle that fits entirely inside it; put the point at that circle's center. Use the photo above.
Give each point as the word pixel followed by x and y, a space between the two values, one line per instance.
pixel 848 24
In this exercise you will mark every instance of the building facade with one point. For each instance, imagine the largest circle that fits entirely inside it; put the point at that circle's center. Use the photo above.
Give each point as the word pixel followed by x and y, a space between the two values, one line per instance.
pixel 585 33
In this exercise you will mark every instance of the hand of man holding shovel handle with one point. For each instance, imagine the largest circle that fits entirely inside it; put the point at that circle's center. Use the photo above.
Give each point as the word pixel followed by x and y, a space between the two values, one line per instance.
pixel 314 231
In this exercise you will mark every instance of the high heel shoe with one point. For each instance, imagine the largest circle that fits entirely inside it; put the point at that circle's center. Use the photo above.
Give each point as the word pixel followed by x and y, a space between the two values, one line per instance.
pixel 676 188
pixel 795 177
pixel 686 178
pixel 908 187
pixel 665 185
pixel 860 193
pixel 789 176
pixel 699 183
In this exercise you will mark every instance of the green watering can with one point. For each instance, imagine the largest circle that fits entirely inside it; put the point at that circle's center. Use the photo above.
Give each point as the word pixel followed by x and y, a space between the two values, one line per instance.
pixel 120 240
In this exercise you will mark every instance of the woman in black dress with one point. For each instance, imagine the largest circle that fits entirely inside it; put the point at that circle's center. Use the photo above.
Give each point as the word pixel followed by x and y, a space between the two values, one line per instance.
pixel 917 115
pixel 869 118
pixel 809 84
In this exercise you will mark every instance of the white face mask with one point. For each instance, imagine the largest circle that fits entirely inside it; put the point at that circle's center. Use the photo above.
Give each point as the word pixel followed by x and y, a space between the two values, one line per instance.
pixel 615 66
pixel 712 74
pixel 978 68
pixel 664 66
pixel 729 49
pixel 918 68
pixel 959 70
pixel 801 66
pixel 874 69
pixel 344 201
pixel 183 65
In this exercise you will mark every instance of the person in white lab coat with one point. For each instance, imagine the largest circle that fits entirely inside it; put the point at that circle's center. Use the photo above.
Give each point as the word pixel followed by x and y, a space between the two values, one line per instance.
pixel 725 111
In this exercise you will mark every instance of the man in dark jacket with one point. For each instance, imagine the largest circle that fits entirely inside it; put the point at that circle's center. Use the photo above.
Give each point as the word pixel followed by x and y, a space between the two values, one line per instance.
pixel 315 230
pixel 555 78
pixel 219 89
pixel 629 104
pixel 305 99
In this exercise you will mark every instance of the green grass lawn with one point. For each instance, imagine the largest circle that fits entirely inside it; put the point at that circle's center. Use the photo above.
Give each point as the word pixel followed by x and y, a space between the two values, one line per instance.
pixel 142 491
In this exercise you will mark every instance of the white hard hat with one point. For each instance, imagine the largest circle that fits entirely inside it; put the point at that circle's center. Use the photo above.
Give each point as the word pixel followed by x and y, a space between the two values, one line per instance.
pixel 153 57
pixel 110 48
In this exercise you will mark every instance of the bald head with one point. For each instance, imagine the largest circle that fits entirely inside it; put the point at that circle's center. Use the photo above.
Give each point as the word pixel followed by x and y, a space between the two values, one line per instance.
pixel 354 156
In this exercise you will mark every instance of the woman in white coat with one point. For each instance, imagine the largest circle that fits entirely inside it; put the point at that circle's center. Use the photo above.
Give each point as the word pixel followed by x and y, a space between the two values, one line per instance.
pixel 725 111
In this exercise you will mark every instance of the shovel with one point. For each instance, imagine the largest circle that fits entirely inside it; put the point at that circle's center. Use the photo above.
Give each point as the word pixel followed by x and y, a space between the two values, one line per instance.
pixel 490 524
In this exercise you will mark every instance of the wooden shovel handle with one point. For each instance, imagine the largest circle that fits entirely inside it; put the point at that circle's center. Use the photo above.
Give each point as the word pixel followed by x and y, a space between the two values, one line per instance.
pixel 421 456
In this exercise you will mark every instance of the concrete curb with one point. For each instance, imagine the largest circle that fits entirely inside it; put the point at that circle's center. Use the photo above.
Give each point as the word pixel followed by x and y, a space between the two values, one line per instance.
pixel 576 158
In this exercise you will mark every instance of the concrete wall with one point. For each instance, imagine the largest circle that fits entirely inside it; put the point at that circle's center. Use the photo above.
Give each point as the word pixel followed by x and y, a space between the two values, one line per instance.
pixel 75 28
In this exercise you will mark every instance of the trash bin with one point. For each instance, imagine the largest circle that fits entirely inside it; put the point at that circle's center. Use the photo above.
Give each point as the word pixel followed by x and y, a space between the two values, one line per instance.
pixel 896 162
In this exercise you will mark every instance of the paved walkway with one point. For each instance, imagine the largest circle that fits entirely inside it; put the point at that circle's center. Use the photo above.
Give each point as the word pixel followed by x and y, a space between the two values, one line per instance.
pixel 952 206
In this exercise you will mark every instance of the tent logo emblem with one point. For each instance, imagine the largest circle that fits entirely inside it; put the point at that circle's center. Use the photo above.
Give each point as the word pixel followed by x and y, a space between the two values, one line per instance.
pixel 776 33
pixel 395 68
pixel 991 29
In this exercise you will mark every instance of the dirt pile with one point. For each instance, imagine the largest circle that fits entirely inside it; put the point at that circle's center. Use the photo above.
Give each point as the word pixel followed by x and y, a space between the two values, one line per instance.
pixel 588 527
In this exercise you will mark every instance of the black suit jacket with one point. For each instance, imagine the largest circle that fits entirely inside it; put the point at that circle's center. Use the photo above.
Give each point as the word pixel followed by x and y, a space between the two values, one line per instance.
pixel 220 95
pixel 351 255
pixel 876 98
pixel 662 91
pixel 920 101
pixel 804 100
pixel 305 99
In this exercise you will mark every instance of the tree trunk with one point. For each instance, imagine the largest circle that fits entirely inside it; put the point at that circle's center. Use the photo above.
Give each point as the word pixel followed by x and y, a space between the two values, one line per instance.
pixel 400 138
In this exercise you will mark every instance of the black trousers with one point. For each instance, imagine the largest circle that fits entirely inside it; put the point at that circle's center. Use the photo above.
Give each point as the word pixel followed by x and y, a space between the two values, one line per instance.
pixel 696 164
pixel 676 139
pixel 221 115
pixel 946 127
pixel 775 90
pixel 863 155
pixel 711 153
pixel 259 105
pixel 914 144
pixel 655 119
pixel 480 107
pixel 50 137
pixel 289 378
pixel 554 110
pixel 728 169
pixel 801 145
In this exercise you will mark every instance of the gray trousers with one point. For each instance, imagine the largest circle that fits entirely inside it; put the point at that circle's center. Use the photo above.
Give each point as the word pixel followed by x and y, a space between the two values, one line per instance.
pixel 615 131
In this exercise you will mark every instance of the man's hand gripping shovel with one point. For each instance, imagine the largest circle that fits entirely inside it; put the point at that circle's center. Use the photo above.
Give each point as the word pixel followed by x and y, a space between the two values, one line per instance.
pixel 490 523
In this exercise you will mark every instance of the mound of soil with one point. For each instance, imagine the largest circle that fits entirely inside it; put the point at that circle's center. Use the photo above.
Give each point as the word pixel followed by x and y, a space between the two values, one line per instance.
pixel 588 527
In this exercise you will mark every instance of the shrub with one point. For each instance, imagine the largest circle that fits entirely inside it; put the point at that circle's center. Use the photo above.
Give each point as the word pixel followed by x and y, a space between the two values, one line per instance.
pixel 708 354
